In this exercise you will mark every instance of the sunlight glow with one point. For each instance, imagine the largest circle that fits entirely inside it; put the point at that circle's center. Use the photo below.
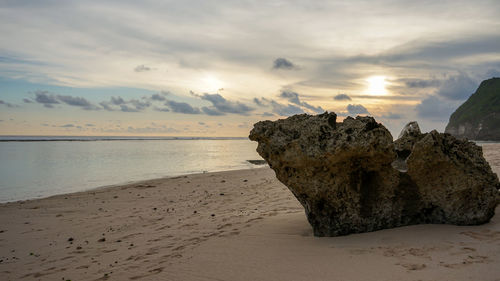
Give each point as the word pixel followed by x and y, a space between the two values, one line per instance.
pixel 212 83
pixel 376 85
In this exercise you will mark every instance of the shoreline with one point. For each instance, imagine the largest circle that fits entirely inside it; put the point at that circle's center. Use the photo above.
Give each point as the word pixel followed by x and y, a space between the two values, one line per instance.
pixel 131 182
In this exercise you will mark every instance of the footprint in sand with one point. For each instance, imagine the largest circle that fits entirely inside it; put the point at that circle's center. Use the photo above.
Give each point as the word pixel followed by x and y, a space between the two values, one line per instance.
pixel 468 261
pixel 463 250
pixel 484 235
pixel 413 266
pixel 359 251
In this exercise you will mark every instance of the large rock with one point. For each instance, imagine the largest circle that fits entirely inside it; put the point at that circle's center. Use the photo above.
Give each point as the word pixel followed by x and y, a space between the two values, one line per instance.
pixel 345 177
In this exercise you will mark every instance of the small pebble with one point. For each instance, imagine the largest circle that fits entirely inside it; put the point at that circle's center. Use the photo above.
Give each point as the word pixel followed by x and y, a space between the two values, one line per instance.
pixel 101 240
pixel 213 215
pixel 70 239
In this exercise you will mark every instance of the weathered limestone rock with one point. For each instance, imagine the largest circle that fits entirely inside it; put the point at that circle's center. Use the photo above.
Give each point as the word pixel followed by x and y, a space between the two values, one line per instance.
pixel 404 144
pixel 345 177
pixel 454 180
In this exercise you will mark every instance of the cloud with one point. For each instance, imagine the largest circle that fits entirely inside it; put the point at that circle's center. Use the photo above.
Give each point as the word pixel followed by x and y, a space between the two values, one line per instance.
pixel 285 110
pixel 90 125
pixel 141 68
pixel 139 105
pixel 67 126
pixel 393 116
pixel 7 104
pixel 221 105
pixel 295 106
pixel 117 100
pixel 77 101
pixel 342 97
pixel 48 100
pixel 294 98
pixel 106 106
pixel 211 111
pixel 279 108
pixel 161 109
pixel 126 108
pixel 282 63
pixel 389 97
pixel 182 107
pixel 201 123
pixel 261 102
pixel 491 73
pixel 235 44
pixel 158 97
pixel 433 51
pixel 291 97
pixel 458 87
pixel 421 83
pixel 118 103
pixel 435 108
pixel 356 109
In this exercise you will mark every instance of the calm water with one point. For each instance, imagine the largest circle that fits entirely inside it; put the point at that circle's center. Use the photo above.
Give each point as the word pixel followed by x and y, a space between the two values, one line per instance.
pixel 31 169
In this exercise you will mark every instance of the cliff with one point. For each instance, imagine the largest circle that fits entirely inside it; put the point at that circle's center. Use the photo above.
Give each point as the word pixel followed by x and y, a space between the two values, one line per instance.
pixel 479 117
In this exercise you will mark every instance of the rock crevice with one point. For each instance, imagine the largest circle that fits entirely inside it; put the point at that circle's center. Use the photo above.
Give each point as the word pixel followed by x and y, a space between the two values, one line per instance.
pixel 351 177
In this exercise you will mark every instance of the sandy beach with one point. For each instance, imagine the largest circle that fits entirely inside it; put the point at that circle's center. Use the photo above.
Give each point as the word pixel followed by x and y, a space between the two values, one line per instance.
pixel 236 225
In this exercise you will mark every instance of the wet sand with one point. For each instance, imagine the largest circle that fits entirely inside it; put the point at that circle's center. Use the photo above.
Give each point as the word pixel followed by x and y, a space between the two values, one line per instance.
pixel 237 225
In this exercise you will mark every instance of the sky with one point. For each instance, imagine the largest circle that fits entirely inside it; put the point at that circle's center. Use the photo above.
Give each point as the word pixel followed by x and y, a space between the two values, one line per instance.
pixel 214 68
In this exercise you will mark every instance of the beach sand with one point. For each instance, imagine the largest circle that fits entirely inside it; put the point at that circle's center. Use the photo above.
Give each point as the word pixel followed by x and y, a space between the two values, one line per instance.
pixel 236 225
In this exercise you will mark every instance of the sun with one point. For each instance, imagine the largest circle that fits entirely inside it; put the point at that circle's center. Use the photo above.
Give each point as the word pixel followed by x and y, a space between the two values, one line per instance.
pixel 212 83
pixel 376 85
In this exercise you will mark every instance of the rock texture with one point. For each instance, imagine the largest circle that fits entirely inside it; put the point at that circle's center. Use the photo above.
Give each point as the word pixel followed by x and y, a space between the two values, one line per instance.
pixel 479 117
pixel 345 176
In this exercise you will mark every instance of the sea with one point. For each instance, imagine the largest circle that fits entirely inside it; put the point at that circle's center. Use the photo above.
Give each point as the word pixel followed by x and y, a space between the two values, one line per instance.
pixel 36 167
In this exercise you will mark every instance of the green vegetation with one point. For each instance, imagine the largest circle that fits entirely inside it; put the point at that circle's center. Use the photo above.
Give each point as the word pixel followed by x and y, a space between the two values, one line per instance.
pixel 483 107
